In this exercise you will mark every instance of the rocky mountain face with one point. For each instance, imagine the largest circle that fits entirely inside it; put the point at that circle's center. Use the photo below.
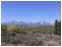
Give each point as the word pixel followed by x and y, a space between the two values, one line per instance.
pixel 39 23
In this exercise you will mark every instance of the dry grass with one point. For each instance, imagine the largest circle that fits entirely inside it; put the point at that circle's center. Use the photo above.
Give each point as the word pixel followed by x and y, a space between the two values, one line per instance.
pixel 34 40
pixel 7 44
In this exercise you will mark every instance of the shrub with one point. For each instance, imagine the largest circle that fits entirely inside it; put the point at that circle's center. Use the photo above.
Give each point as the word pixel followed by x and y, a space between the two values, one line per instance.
pixel 3 29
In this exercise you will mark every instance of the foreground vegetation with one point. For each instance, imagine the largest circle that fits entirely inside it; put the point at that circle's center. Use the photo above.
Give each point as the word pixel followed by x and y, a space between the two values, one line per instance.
pixel 31 40
pixel 31 36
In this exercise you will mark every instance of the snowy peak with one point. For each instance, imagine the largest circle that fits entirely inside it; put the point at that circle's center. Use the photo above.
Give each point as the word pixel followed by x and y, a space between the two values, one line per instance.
pixel 42 21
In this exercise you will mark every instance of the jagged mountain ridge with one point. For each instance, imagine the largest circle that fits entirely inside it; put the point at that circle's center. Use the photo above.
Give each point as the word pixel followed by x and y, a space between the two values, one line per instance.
pixel 39 23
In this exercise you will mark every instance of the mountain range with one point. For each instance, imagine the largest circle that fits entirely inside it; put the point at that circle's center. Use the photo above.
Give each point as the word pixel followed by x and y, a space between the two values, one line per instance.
pixel 39 23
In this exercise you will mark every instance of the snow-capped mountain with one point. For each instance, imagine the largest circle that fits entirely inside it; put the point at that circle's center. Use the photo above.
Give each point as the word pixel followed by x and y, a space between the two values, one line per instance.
pixel 39 23
pixel 44 23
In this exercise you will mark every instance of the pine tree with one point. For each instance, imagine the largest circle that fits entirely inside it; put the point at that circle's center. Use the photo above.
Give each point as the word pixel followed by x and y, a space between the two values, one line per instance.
pixel 56 27
pixel 59 28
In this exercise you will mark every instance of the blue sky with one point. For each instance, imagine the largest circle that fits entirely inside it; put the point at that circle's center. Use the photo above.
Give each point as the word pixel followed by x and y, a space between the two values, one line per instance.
pixel 30 11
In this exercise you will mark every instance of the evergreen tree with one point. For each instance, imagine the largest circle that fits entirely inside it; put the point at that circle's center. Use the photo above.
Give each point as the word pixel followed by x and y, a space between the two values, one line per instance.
pixel 57 27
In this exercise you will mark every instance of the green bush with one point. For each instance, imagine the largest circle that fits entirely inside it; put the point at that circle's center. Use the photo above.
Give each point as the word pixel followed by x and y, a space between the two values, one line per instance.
pixel 3 29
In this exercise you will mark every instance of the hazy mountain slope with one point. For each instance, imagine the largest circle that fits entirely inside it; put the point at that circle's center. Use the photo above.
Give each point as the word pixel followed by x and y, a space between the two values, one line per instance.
pixel 39 23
